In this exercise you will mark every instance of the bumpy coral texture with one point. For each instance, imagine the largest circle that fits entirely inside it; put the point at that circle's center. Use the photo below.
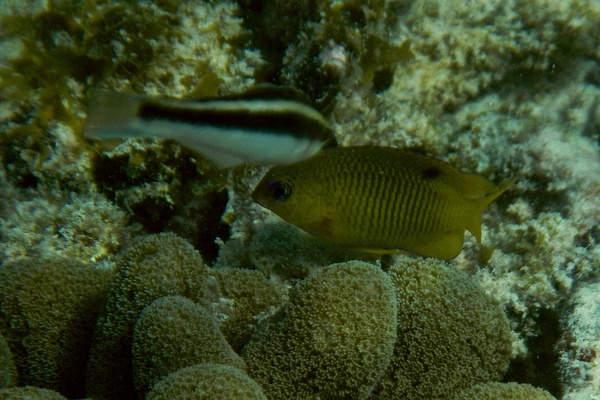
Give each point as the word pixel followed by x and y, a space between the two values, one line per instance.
pixel 155 266
pixel 48 309
pixel 207 382
pixel 332 340
pixel 304 252
pixel 504 391
pixel 29 393
pixel 173 333
pixel 8 371
pixel 451 335
pixel 244 296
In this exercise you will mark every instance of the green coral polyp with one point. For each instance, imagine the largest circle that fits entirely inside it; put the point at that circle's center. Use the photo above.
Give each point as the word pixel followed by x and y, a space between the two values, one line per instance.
pixel 451 335
pixel 207 381
pixel 174 333
pixel 332 340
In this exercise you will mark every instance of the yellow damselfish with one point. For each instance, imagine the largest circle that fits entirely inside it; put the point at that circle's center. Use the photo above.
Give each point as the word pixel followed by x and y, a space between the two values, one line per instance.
pixel 380 200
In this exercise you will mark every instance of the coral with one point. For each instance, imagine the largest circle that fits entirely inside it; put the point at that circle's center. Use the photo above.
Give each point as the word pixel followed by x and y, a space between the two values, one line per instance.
pixel 86 227
pixel 154 181
pixel 543 247
pixel 316 45
pixel 457 49
pixel 47 314
pixel 207 382
pixel 280 249
pixel 580 343
pixel 346 40
pixel 245 297
pixel 451 335
pixel 8 371
pixel 154 266
pixel 304 252
pixel 173 333
pixel 332 340
pixel 29 393
pixel 503 391
pixel 503 89
pixel 461 51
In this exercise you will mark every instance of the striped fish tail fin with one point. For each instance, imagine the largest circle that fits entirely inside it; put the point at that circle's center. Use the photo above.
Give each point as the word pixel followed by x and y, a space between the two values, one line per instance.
pixel 109 113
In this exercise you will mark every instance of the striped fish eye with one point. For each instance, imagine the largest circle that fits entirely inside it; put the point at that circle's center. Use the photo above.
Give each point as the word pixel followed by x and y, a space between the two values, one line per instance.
pixel 280 191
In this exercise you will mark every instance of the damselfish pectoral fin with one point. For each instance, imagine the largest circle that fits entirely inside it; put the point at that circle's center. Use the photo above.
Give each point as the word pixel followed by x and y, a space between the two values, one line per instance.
pixel 322 228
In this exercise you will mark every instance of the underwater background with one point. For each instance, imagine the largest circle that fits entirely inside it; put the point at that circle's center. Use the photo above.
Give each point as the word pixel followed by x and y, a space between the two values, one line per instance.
pixel 134 269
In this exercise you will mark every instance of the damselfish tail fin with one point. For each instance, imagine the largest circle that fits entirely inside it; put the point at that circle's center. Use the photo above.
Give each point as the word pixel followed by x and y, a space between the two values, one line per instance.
pixel 109 113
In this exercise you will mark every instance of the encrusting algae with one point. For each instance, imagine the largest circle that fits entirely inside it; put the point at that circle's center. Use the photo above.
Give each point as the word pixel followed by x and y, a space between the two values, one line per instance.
pixel 380 199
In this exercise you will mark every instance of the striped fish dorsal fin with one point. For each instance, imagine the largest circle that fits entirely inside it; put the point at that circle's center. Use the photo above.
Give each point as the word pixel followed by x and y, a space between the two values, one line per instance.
pixel 269 91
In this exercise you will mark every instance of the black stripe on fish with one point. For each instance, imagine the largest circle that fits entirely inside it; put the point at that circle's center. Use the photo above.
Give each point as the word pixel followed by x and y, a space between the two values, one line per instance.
pixel 284 116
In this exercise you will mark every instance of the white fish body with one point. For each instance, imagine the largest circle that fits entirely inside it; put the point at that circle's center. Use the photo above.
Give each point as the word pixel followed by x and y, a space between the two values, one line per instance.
pixel 229 131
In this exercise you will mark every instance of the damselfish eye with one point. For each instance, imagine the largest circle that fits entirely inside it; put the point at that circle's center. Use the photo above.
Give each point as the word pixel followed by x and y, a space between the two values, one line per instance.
pixel 280 191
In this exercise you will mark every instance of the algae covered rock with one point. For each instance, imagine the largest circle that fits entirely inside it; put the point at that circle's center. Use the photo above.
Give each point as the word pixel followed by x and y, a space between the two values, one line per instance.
pixel 504 391
pixel 207 382
pixel 333 339
pixel 83 226
pixel 173 333
pixel 155 266
pixel 47 313
pixel 451 335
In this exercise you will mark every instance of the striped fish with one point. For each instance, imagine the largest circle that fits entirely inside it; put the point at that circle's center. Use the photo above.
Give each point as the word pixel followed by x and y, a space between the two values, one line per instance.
pixel 267 125
pixel 380 200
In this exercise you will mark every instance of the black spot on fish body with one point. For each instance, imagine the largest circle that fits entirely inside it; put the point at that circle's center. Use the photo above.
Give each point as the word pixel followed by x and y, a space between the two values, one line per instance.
pixel 431 173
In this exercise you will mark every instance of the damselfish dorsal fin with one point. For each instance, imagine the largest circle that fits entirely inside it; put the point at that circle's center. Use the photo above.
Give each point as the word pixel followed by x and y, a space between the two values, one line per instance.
pixel 474 217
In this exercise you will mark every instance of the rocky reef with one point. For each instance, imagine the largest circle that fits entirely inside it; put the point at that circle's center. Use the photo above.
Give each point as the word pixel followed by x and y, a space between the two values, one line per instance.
pixel 134 269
